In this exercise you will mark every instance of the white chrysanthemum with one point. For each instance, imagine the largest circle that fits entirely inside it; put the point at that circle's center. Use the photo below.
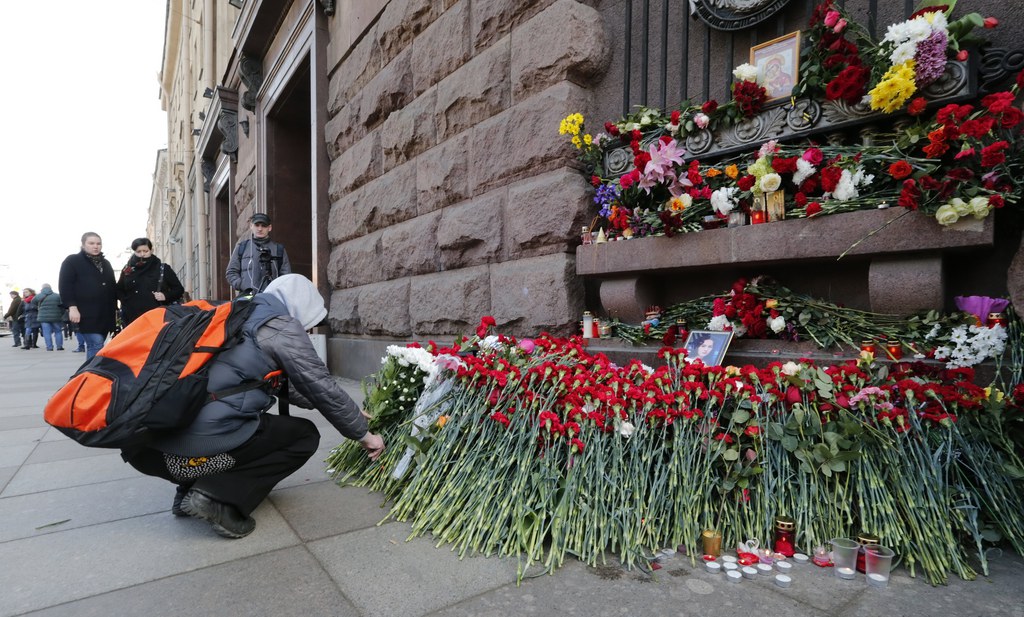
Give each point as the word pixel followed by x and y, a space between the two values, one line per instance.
pixel 723 200
pixel 626 429
pixel 777 324
pixel 771 182
pixel 903 52
pixel 804 170
pixel 491 342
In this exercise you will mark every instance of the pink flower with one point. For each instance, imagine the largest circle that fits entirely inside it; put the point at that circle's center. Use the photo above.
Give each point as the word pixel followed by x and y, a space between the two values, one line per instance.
pixel 831 18
pixel 840 26
pixel 527 345
pixel 701 120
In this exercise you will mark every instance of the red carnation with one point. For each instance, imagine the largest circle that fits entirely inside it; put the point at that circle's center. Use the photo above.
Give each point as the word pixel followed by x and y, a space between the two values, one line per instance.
pixel 595 181
pixel 485 322
pixel 1020 80
pixel 746 182
pixel 784 165
pixel 900 170
pixel 830 178
pixel 992 154
pixel 1011 118
pixel 636 134
pixel 910 195
pixel 800 199
pixel 813 208
pixel 996 201
pixel 611 128
pixel 998 102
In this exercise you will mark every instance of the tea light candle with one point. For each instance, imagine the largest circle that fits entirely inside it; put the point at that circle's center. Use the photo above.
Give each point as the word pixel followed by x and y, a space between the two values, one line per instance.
pixel 764 568
pixel 784 566
pixel 749 572
pixel 733 576
pixel 783 581
pixel 800 558
pixel 765 556
pixel 713 567
pixel 729 567
pixel 845 572
pixel 877 580
pixel 728 559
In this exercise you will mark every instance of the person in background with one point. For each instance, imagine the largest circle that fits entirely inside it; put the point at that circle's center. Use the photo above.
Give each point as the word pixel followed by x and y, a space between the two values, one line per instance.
pixel 16 317
pixel 89 291
pixel 256 260
pixel 227 461
pixel 31 312
pixel 51 313
pixel 146 282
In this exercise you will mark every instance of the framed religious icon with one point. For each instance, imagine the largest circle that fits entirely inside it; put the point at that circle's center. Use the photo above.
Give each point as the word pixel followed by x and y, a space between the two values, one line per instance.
pixel 708 346
pixel 778 65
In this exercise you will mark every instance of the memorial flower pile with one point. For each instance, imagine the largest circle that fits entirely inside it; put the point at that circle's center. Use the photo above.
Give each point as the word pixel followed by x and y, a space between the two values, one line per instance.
pixel 540 451
pixel 954 162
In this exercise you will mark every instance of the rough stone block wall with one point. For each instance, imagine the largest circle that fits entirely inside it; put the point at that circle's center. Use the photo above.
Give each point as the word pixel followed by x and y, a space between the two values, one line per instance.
pixel 451 193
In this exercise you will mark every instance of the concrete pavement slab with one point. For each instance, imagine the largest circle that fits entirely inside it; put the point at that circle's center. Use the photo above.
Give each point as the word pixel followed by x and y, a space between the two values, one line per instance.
pixel 14 456
pixel 384 576
pixel 49 450
pixel 34 514
pixel 284 583
pixel 21 436
pixel 70 565
pixel 313 471
pixel 28 420
pixel 323 509
pixel 6 473
pixel 62 474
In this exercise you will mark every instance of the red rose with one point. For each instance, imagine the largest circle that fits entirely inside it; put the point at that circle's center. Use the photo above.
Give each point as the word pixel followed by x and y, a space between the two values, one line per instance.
pixel 793 395
pixel 910 195
pixel 996 201
pixel 746 182
pixel 900 170
pixel 675 117
pixel 752 431
pixel 814 156
pixel 813 208
pixel 611 128
pixel 711 106
pixel 917 106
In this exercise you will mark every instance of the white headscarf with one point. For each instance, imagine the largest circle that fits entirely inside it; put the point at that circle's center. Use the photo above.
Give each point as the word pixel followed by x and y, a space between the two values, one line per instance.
pixel 301 297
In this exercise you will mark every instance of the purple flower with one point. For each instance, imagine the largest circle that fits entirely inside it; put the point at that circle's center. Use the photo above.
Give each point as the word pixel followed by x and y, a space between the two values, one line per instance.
pixel 605 196
pixel 930 58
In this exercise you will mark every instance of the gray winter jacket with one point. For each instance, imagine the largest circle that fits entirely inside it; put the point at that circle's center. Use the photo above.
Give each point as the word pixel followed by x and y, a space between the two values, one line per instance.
pixel 50 308
pixel 273 340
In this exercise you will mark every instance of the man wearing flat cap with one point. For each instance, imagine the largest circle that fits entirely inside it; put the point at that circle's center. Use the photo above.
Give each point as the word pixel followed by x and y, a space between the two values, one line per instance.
pixel 256 259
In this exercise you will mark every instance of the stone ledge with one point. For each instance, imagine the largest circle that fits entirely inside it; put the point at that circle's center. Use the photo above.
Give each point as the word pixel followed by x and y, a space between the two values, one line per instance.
pixel 792 240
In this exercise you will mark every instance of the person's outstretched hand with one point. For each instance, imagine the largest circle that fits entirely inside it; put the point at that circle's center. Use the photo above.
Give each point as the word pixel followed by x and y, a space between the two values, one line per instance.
pixel 373 444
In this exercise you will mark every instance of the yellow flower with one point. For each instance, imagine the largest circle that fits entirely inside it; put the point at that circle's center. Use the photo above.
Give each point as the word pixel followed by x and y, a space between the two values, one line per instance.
pixel 714 171
pixel 998 393
pixel 732 171
pixel 896 86
pixel 771 303
pixel 588 139
pixel 678 204
pixel 576 141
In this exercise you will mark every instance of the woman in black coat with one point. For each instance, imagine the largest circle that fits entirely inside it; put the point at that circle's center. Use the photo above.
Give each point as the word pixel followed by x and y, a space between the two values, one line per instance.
pixel 146 282
pixel 88 289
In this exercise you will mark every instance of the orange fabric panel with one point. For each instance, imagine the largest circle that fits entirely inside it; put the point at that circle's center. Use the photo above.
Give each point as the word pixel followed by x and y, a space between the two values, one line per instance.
pixel 133 344
pixel 213 336
pixel 81 404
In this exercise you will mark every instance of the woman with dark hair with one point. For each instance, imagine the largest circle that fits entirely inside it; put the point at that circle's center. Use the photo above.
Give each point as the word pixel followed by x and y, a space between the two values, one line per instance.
pixel 146 282
pixel 31 313
pixel 701 347
pixel 87 288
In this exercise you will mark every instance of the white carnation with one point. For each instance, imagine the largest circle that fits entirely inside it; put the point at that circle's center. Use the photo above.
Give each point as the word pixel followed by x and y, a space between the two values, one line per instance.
pixel 718 323
pixel 804 170
pixel 723 200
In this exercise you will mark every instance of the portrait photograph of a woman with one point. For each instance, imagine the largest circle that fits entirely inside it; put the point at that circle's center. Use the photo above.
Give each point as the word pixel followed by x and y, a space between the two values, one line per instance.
pixel 708 346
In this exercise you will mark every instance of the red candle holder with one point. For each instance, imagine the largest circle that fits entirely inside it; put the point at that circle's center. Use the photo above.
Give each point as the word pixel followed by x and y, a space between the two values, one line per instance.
pixel 869 347
pixel 757 217
pixel 895 349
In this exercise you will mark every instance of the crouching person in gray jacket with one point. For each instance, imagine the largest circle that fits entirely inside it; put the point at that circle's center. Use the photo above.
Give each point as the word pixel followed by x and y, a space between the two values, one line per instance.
pixel 227 461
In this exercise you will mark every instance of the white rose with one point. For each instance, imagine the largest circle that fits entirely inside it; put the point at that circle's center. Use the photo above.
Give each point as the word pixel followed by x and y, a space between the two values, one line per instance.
pixel 979 207
pixel 960 206
pixel 946 215
pixel 771 182
pixel 745 72
pixel 777 324
pixel 790 368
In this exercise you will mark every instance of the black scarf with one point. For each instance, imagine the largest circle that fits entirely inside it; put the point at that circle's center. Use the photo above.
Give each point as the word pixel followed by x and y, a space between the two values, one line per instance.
pixel 97 260
pixel 136 264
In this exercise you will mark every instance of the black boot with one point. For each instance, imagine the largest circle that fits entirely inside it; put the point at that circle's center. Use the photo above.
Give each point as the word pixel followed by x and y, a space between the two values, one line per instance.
pixel 226 519
pixel 179 494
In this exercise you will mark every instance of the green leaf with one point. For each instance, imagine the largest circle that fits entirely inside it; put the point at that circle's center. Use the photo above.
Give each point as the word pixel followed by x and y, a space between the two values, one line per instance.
pixel 790 443
pixel 846 456
pixel 804 318
pixel 837 465
pixel 740 416
pixel 731 454
pixel 831 437
pixel 991 534
pixel 774 431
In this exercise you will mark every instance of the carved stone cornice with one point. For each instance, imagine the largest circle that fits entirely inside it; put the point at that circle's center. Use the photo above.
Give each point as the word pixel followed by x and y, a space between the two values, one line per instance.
pixel 227 122
pixel 732 15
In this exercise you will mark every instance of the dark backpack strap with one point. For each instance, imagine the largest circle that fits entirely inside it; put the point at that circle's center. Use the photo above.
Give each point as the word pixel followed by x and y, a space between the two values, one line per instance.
pixel 241 247
pixel 245 386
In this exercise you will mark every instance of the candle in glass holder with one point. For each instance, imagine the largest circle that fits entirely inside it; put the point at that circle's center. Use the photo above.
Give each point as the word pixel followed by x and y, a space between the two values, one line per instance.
pixel 895 349
pixel 865 539
pixel 868 346
pixel 588 324
pixel 996 319
pixel 585 236
pixel 845 573
pixel 756 217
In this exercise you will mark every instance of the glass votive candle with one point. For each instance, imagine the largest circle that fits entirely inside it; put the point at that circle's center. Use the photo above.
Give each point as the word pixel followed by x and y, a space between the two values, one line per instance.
pixel 895 349
pixel 844 557
pixel 868 346
pixel 878 563
pixel 757 217
pixel 995 319
pixel 737 218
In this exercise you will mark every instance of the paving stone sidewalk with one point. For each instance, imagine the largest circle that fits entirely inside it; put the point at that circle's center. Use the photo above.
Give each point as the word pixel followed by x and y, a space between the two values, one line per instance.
pixel 82 533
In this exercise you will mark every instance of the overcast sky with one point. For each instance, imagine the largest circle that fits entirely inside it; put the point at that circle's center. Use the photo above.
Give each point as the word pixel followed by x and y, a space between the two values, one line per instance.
pixel 82 126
